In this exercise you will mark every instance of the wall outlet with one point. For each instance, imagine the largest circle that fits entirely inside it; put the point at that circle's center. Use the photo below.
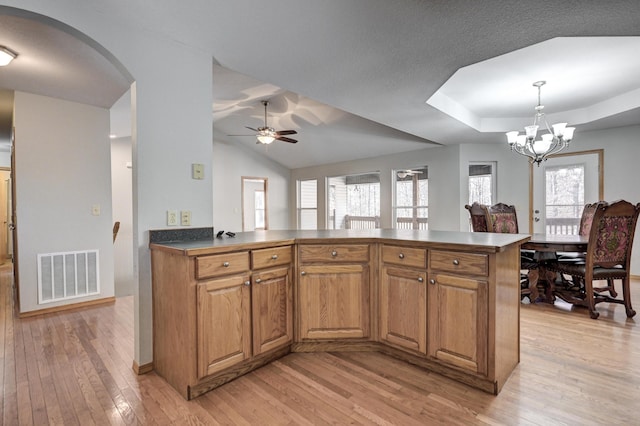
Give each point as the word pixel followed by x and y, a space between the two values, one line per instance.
pixel 172 218
pixel 185 218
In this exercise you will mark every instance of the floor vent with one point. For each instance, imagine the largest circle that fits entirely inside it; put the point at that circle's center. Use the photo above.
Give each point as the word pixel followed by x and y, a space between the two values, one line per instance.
pixel 63 276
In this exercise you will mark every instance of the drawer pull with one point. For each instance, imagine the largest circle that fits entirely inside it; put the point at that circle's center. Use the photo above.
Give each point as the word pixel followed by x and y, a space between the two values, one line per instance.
pixel 247 283
pixel 401 255
pixel 420 279
pixel 334 253
pixel 456 262
pixel 258 280
pixel 274 257
pixel 303 273
pixel 225 264
pixel 432 281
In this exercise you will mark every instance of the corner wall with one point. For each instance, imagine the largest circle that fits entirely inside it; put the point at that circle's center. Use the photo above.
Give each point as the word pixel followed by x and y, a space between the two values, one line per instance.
pixel 62 158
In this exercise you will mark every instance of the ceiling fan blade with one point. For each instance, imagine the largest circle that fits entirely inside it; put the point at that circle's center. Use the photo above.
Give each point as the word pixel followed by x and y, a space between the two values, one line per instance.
pixel 285 139
pixel 287 132
pixel 251 128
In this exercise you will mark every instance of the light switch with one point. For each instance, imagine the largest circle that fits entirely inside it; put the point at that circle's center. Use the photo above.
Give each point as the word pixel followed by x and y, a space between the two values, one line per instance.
pixel 95 209
pixel 197 171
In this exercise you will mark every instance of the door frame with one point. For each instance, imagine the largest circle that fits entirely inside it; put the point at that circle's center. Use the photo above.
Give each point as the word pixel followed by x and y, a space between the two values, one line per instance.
pixel 598 152
pixel 265 187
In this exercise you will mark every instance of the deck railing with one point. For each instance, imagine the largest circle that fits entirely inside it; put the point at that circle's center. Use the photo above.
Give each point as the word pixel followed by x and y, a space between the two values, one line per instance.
pixel 372 222
pixel 412 223
pixel 562 225
pixel 361 222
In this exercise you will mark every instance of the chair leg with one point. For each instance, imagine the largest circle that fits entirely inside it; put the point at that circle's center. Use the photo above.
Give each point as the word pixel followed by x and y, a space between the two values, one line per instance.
pixel 626 294
pixel 590 299
pixel 612 290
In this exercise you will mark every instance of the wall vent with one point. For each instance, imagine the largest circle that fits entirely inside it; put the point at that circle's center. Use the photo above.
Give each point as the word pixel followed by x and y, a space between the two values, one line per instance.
pixel 68 275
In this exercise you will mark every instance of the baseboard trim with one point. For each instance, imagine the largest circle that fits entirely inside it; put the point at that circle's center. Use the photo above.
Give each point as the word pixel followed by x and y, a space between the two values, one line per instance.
pixel 61 308
pixel 142 369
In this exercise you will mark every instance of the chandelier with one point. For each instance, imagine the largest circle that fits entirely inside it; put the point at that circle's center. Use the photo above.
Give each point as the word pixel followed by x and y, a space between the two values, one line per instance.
pixel 550 143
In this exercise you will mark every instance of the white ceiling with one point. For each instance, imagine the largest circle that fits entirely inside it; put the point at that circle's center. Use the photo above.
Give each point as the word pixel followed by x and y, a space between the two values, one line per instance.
pixel 353 77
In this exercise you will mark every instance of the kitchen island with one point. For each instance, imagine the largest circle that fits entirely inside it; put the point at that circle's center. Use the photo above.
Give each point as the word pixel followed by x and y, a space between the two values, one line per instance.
pixel 446 301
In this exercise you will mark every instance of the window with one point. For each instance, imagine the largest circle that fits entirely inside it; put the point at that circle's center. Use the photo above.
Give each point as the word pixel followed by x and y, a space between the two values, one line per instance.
pixel 482 183
pixel 411 206
pixel 354 201
pixel 564 198
pixel 260 210
pixel 308 204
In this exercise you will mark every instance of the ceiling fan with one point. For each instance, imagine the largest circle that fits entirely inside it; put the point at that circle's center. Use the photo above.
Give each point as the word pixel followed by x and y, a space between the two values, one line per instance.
pixel 266 135
pixel 404 173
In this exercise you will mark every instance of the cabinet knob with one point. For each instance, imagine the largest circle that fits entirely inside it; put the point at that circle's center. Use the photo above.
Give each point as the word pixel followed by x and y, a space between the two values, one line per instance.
pixel 303 273
pixel 247 283
pixel 456 262
pixel 420 279
pixel 401 255
pixel 334 253
pixel 274 257
pixel 258 280
pixel 432 281
pixel 225 264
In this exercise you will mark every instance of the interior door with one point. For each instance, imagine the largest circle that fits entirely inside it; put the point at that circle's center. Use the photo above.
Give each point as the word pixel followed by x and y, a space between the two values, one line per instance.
pixel 556 196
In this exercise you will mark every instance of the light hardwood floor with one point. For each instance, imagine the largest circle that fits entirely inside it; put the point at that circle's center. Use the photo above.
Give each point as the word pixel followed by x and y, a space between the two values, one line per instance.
pixel 74 368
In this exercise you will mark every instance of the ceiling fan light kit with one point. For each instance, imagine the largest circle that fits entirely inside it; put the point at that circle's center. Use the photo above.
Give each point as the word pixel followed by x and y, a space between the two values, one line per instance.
pixel 558 137
pixel 266 135
pixel 6 56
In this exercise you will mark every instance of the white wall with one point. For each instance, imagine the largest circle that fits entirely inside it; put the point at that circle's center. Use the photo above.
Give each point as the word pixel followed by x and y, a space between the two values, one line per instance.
pixel 171 119
pixel 230 163
pixel 62 169
pixel 121 187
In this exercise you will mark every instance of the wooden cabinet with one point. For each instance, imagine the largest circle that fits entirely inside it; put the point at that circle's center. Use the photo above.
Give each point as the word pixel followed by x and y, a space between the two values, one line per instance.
pixel 403 298
pixel 333 291
pixel 216 318
pixel 224 323
pixel 272 307
pixel 449 302
pixel 458 309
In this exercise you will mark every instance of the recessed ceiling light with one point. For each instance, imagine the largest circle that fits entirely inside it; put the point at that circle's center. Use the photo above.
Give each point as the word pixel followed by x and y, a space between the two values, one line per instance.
pixel 6 56
pixel 113 136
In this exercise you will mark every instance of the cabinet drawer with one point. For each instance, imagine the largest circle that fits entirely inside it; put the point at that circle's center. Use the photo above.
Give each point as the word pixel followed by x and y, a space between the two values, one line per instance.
pixel 407 256
pixel 462 263
pixel 266 258
pixel 221 264
pixel 334 253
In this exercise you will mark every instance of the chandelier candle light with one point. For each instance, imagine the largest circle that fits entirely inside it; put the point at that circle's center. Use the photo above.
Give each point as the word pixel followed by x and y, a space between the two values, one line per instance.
pixel 552 142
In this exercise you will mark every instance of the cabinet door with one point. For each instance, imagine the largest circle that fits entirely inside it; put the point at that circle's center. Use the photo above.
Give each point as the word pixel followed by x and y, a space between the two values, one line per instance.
pixel 272 305
pixel 224 323
pixel 403 308
pixel 458 321
pixel 334 301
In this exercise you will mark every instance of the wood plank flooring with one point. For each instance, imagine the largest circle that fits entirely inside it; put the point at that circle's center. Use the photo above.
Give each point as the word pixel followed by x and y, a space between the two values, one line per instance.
pixel 74 368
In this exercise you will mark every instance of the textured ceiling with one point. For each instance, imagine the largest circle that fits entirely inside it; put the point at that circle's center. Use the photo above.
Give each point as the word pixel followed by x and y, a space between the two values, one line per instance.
pixel 355 75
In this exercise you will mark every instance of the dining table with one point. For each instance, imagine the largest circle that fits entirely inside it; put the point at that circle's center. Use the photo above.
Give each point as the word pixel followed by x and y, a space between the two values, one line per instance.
pixel 545 248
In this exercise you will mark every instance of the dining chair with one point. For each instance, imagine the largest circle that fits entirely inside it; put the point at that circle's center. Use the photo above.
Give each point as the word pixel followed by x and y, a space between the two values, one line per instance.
pixel 584 228
pixel 502 218
pixel 479 216
pixel 608 257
